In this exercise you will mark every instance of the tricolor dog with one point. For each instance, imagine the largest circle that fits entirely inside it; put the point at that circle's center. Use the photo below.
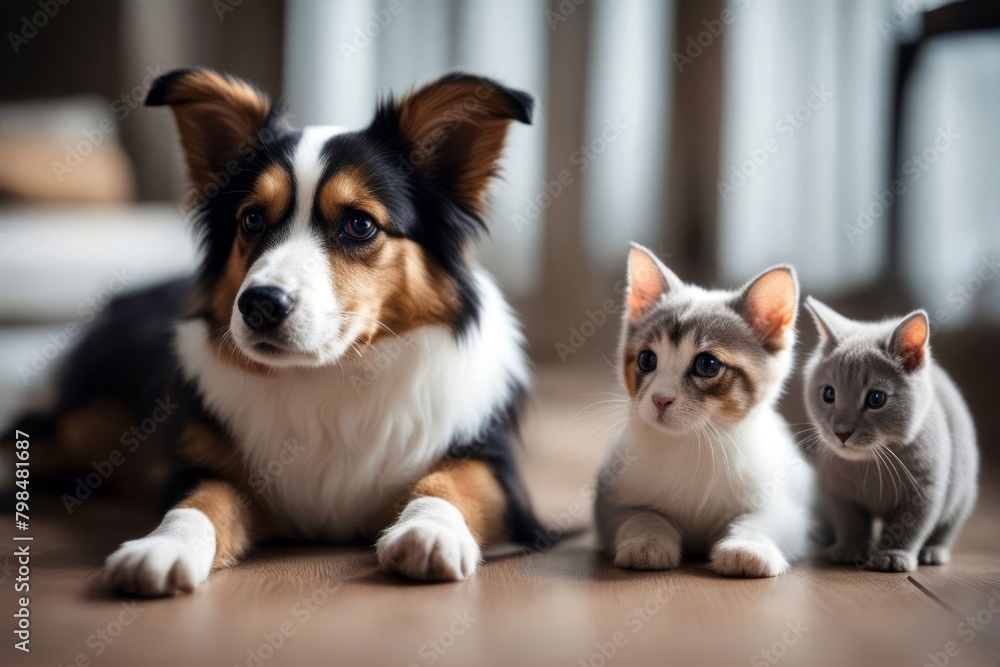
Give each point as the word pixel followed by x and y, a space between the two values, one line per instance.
pixel 327 251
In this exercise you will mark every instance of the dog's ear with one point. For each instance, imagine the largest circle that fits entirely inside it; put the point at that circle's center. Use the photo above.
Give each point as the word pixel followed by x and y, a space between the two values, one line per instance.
pixel 454 130
pixel 218 117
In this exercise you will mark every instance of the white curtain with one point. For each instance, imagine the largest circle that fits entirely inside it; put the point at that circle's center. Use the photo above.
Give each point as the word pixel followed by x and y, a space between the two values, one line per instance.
pixel 807 92
pixel 818 200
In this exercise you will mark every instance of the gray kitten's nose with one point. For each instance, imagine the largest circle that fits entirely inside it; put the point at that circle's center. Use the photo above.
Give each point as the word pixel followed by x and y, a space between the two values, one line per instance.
pixel 844 436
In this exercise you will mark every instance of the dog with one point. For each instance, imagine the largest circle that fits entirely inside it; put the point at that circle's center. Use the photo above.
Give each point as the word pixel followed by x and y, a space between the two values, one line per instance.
pixel 340 367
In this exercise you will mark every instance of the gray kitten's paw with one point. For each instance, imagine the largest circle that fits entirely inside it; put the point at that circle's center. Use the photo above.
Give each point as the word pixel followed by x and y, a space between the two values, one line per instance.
pixel 846 554
pixel 734 557
pixel 893 560
pixel 934 555
pixel 647 542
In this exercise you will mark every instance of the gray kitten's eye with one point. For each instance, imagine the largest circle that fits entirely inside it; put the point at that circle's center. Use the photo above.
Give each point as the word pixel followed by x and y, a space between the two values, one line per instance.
pixel 829 395
pixel 875 399
pixel 647 361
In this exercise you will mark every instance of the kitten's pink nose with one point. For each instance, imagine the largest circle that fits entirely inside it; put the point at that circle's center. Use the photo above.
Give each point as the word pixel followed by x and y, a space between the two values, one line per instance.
pixel 844 436
pixel 661 402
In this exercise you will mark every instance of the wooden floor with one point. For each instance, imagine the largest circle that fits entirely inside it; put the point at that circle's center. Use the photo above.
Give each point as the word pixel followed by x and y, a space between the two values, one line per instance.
pixel 566 606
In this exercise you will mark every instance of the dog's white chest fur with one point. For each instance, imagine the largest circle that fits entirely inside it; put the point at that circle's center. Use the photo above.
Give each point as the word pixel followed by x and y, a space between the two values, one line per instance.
pixel 335 448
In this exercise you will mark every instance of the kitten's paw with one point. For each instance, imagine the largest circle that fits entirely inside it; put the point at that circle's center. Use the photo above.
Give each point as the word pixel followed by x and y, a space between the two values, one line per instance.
pixel 893 560
pixel 847 554
pixel 429 542
pixel 174 558
pixel 647 541
pixel 647 552
pixel 936 555
pixel 735 557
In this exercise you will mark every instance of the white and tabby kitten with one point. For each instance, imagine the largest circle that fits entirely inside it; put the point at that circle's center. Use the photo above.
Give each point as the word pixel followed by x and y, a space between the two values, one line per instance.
pixel 716 472
pixel 894 441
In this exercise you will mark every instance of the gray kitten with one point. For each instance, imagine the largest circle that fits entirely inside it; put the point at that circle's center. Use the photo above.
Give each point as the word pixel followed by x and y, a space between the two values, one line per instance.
pixel 893 441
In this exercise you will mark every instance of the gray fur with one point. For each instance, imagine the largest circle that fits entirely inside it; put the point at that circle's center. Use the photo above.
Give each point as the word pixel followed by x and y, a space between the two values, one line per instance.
pixel 913 462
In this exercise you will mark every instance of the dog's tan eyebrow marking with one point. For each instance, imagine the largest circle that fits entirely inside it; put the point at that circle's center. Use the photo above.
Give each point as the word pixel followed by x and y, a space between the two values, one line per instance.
pixel 272 193
pixel 349 190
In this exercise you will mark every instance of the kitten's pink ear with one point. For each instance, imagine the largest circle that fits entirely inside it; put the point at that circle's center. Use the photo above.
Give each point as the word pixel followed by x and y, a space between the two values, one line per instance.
pixel 648 281
pixel 769 304
pixel 910 341
pixel 830 324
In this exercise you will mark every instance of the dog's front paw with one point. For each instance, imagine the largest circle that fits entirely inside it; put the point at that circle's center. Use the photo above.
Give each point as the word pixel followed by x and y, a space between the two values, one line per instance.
pixel 174 558
pixel 893 560
pixel 736 557
pixel 429 542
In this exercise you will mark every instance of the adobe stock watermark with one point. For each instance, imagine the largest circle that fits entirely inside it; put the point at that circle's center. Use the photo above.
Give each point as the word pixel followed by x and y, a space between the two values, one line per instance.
pixel 773 654
pixel 899 13
pixel 695 45
pixel 967 629
pixel 33 23
pixel 432 650
pixel 965 292
pixel 377 361
pixel 197 198
pixel 913 169
pixel 223 7
pixel 785 128
pixel 88 310
pixel 580 160
pixel 563 521
pixel 366 34
pixel 565 9
pixel 634 621
pixel 130 441
pixel 301 612
pixel 94 137
pixel 104 638
pixel 594 319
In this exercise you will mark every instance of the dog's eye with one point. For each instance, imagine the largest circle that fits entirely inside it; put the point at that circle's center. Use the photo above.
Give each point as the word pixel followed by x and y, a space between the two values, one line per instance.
pixel 253 221
pixel 358 227
pixel 829 395
pixel 706 365
pixel 875 399
pixel 647 361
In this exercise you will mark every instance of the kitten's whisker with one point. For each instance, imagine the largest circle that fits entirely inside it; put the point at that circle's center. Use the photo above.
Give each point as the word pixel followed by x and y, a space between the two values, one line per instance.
pixel 917 488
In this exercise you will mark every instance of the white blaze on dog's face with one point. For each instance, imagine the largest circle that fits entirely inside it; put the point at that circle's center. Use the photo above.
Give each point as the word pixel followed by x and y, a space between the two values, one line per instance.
pixel 320 241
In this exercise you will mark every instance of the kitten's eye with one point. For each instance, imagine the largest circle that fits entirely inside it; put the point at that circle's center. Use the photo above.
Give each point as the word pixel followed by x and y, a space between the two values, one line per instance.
pixel 875 399
pixel 647 361
pixel 358 226
pixel 253 221
pixel 706 365
pixel 829 395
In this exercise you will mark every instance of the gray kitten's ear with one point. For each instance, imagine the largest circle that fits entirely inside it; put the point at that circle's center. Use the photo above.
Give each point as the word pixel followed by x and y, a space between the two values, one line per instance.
pixel 910 342
pixel 830 324
pixel 769 304
pixel 648 281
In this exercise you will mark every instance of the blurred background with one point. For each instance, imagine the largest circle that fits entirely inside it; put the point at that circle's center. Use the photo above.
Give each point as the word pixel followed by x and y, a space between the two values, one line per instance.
pixel 854 138
pixel 857 139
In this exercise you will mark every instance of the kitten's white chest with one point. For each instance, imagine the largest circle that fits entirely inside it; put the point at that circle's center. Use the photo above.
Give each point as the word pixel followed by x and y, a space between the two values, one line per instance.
pixel 702 483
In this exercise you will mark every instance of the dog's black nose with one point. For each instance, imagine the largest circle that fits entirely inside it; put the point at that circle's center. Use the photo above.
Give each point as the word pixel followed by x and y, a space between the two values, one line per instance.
pixel 264 308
